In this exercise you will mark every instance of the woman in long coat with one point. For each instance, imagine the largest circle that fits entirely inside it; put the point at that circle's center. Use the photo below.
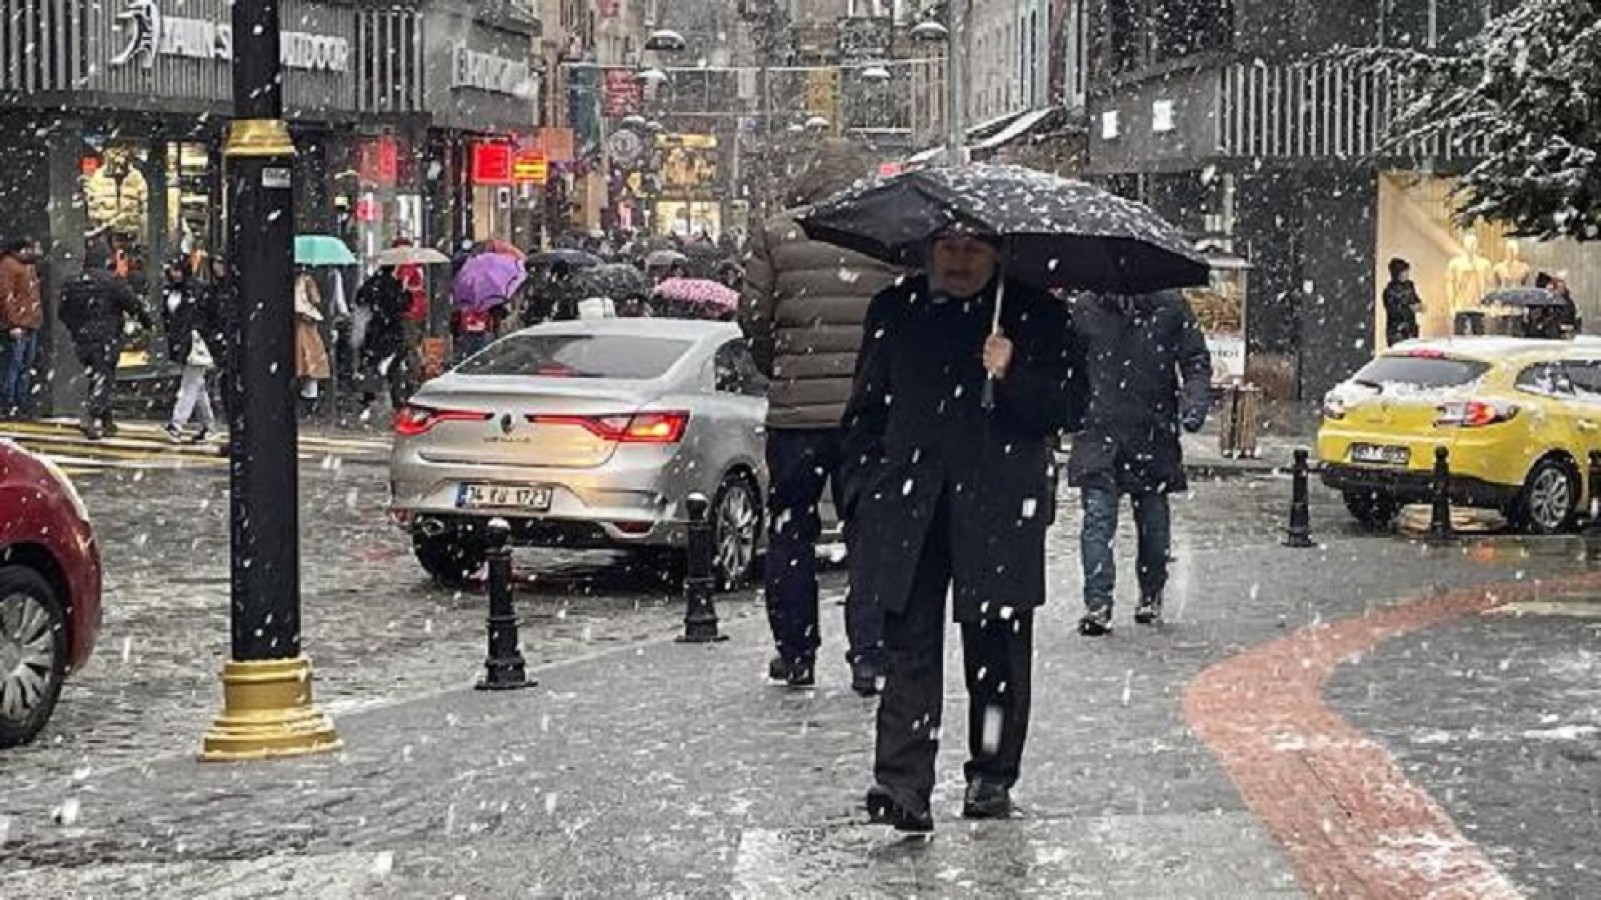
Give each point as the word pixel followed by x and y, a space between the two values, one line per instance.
pixel 311 354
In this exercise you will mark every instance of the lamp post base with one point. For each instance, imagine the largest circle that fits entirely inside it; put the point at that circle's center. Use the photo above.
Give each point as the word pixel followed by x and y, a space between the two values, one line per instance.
pixel 267 713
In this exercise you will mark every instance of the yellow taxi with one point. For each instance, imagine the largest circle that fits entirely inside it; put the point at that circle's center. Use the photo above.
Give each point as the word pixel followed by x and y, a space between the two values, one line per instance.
pixel 1520 418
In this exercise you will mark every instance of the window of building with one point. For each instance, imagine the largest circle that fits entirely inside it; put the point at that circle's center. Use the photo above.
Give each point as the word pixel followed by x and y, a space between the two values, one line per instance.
pixel 1434 23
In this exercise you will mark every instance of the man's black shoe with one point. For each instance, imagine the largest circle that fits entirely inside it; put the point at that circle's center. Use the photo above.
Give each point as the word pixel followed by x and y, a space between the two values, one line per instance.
pixel 883 809
pixel 864 678
pixel 793 672
pixel 1149 612
pixel 1097 623
pixel 987 800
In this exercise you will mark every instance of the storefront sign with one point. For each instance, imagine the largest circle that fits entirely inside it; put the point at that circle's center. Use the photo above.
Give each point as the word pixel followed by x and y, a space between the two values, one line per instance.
pixel 378 161
pixel 1228 356
pixel 149 34
pixel 491 164
pixel 530 168
pixel 623 94
pixel 490 73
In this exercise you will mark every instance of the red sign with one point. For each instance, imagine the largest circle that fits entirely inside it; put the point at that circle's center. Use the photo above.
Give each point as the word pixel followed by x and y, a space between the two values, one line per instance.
pixel 378 161
pixel 367 209
pixel 491 163
pixel 889 169
pixel 530 168
pixel 623 95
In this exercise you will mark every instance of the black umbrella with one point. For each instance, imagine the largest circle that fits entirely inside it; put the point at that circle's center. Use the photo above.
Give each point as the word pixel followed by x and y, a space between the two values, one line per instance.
pixel 615 280
pixel 1056 232
pixel 577 259
pixel 1529 298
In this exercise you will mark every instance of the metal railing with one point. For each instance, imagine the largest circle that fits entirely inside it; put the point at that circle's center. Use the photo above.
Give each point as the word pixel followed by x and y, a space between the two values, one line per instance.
pixel 1320 108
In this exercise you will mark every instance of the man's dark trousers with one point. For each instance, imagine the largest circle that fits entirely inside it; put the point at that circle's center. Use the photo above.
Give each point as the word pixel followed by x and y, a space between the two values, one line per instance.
pixel 800 461
pixel 998 658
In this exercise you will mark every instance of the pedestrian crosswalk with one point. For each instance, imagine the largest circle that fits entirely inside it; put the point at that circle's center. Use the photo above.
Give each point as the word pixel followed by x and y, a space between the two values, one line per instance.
pixel 140 447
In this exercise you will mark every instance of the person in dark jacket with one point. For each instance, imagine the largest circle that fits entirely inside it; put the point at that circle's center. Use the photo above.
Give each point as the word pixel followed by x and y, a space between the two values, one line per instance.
pixel 94 307
pixel 802 313
pixel 1401 304
pixel 218 327
pixel 184 305
pixel 946 497
pixel 383 301
pixel 1136 350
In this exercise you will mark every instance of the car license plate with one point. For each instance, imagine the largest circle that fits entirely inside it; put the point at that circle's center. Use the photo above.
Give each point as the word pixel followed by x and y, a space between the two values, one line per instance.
pixel 1384 455
pixel 497 496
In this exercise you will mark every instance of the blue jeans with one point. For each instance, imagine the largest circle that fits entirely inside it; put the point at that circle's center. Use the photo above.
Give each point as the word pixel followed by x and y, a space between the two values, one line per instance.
pixel 1152 523
pixel 16 371
pixel 800 463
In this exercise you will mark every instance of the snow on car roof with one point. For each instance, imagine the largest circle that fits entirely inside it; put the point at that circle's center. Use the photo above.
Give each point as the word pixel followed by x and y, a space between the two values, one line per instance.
pixel 671 329
pixel 1486 349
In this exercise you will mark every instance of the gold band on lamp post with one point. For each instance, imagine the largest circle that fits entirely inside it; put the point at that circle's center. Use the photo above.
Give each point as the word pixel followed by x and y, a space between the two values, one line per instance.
pixel 267 712
pixel 258 137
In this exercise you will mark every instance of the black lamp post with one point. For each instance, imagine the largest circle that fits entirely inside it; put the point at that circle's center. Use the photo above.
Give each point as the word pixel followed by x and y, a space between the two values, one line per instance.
pixel 268 709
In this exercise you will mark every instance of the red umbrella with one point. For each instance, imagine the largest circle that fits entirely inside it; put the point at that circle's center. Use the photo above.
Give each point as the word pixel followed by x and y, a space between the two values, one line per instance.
pixel 700 292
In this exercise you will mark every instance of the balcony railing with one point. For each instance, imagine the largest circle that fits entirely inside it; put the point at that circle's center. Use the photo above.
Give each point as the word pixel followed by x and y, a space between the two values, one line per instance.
pixel 1319 108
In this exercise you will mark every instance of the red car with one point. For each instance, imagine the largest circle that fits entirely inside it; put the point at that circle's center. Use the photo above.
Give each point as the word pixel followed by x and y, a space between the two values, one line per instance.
pixel 49 590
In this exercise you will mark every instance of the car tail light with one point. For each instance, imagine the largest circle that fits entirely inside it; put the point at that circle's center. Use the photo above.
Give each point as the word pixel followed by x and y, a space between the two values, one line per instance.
pixel 412 421
pixel 1424 354
pixel 641 428
pixel 1473 413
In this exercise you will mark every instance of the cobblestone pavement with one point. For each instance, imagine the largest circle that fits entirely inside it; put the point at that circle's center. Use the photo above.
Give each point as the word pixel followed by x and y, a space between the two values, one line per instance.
pixel 641 768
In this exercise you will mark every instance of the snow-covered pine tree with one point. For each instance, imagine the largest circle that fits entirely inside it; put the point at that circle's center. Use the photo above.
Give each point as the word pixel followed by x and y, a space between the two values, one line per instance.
pixel 1527 89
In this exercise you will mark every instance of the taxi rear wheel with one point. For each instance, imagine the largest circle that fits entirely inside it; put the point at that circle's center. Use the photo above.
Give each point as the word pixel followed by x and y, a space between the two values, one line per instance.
pixel 1371 509
pixel 1549 502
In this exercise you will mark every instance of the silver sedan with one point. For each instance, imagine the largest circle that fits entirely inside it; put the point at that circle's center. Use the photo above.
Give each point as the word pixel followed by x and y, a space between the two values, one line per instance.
pixel 586 435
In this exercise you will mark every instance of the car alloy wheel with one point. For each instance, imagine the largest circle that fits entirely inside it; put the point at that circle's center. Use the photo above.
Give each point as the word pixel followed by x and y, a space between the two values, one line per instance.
pixel 33 653
pixel 738 520
pixel 1549 499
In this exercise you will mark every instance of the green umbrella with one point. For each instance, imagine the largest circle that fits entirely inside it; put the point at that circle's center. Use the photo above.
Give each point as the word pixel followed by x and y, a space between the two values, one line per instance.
pixel 322 250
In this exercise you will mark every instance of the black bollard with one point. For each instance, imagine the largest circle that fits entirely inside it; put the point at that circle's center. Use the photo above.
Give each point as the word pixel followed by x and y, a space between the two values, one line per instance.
pixel 504 669
pixel 1300 532
pixel 1440 497
pixel 700 613
pixel 1595 486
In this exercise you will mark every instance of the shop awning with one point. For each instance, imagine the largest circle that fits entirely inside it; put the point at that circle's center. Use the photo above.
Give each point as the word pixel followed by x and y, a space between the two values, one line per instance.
pixel 976 135
pixel 1017 128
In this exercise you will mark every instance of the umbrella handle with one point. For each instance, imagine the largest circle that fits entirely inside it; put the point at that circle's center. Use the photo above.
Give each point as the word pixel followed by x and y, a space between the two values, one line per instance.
pixel 987 399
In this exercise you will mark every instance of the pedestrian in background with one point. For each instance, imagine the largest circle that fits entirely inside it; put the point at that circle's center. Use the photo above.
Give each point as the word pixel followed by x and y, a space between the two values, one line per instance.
pixel 947 497
pixel 802 311
pixel 182 304
pixel 96 307
pixel 1149 375
pixel 380 304
pixel 1401 304
pixel 311 354
pixel 219 322
pixel 21 315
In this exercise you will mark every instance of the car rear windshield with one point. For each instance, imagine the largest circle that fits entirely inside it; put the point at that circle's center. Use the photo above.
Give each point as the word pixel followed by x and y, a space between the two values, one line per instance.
pixel 1420 372
pixel 620 357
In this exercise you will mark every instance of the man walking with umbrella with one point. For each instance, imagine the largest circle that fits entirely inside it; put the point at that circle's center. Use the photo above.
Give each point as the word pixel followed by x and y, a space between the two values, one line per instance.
pixel 952 497
pixel 964 380
pixel 1136 350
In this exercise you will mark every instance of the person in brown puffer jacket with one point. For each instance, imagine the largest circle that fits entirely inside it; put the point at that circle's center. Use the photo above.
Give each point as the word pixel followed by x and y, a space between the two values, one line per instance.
pixel 802 311
pixel 21 315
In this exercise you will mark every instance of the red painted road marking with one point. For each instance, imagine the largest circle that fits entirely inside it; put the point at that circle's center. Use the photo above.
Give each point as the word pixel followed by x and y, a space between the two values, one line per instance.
pixel 1352 823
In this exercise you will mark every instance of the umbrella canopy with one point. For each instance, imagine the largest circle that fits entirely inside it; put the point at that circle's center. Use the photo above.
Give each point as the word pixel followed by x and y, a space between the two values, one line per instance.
pixel 615 280
pixel 1057 233
pixel 661 259
pixel 577 259
pixel 412 256
pixel 699 292
pixel 487 281
pixel 1529 298
pixel 322 250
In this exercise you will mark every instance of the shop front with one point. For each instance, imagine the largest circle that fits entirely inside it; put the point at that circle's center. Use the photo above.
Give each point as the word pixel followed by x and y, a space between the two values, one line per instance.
pixel 482 97
pixel 1454 267
pixel 112 128
pixel 689 171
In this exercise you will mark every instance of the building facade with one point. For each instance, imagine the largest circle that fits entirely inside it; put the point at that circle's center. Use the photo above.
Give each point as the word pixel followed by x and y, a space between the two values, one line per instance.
pixel 1236 122
pixel 112 118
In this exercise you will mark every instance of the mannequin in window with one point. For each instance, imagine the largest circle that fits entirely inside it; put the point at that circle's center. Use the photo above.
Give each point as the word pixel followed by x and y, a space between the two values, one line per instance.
pixel 1468 277
pixel 1512 271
